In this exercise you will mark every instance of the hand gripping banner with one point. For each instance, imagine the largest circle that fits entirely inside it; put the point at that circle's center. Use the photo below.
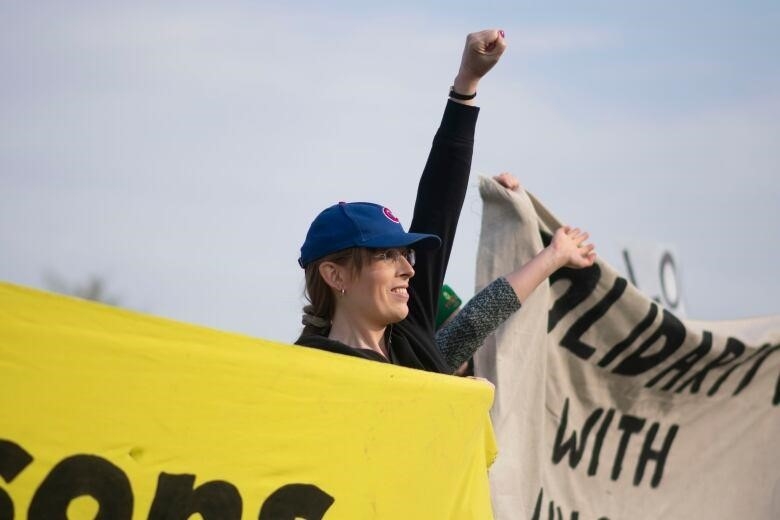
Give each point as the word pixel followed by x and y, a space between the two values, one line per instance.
pixel 610 407
pixel 112 414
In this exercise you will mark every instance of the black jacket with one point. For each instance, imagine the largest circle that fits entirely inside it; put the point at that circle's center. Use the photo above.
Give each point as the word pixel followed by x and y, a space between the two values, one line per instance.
pixel 440 197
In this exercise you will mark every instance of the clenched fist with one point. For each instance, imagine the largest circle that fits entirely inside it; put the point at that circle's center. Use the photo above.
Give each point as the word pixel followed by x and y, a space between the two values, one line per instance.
pixel 482 51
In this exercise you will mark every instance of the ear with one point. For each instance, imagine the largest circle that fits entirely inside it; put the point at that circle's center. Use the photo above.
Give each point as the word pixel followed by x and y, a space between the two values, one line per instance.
pixel 334 275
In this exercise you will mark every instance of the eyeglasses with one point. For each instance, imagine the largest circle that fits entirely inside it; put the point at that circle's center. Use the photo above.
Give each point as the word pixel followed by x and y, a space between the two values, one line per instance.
pixel 394 255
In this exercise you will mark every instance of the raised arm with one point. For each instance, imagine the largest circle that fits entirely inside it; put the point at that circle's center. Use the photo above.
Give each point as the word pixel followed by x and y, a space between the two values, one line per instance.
pixel 443 184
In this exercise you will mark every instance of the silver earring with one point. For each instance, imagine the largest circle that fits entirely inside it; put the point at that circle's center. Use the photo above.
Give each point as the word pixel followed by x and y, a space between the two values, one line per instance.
pixel 342 292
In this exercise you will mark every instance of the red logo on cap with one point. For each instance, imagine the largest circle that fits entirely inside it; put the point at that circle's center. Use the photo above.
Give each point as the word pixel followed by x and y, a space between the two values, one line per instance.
pixel 389 215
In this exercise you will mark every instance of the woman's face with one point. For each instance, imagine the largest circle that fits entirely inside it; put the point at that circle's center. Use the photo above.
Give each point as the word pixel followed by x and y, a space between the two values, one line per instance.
pixel 379 294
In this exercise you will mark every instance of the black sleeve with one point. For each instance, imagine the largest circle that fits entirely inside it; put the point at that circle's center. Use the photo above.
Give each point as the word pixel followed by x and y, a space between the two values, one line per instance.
pixel 440 197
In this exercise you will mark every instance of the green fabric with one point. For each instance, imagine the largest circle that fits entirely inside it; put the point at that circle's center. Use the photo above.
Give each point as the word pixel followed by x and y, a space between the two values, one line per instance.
pixel 448 303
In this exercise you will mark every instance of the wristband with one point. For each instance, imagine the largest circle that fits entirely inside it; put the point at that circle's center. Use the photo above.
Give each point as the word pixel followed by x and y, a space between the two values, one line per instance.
pixel 461 97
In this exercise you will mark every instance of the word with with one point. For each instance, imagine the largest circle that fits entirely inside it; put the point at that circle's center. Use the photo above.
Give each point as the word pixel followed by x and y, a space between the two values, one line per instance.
pixel 175 497
pixel 629 425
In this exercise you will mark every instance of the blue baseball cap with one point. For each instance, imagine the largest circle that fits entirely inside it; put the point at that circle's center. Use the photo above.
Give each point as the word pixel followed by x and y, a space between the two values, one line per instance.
pixel 358 224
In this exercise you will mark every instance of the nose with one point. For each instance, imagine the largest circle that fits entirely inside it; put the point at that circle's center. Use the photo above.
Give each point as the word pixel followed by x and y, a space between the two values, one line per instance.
pixel 405 267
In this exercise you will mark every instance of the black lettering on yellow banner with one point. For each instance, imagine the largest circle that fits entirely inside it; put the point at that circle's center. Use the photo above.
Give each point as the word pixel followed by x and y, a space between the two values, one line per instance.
pixel 176 496
pixel 13 460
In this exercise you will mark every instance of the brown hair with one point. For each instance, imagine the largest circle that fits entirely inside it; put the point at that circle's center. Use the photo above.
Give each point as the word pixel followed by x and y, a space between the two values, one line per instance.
pixel 318 314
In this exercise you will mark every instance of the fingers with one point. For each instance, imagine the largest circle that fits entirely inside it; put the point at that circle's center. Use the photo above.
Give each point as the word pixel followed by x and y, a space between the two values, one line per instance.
pixel 577 235
pixel 574 240
pixel 490 41
pixel 585 254
pixel 508 181
pixel 590 258
pixel 582 248
pixel 483 49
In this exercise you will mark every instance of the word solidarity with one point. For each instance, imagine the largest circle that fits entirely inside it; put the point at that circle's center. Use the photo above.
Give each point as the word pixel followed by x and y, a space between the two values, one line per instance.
pixel 688 372
pixel 176 495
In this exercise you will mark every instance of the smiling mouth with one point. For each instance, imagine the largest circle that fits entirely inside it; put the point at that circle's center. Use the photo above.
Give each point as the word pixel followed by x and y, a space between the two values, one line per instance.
pixel 400 290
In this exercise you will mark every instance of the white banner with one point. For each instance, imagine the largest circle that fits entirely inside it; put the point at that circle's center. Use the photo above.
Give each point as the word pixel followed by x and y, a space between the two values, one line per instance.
pixel 610 407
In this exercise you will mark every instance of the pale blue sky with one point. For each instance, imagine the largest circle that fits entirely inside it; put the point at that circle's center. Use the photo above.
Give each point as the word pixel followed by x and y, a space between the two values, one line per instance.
pixel 181 150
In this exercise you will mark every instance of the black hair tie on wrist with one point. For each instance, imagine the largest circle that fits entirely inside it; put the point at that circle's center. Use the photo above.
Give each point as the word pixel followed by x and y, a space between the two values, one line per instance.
pixel 462 97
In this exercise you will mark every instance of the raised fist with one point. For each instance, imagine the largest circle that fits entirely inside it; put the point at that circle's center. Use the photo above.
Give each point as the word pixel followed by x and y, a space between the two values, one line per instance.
pixel 482 51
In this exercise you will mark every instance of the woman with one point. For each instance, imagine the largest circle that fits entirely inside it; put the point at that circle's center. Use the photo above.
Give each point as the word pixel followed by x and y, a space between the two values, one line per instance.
pixel 373 287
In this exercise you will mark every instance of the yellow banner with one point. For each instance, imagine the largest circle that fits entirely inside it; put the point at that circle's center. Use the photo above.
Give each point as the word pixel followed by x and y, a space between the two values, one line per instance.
pixel 107 413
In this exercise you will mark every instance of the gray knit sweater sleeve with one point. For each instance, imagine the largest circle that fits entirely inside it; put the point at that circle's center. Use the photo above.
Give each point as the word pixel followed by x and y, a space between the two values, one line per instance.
pixel 461 337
